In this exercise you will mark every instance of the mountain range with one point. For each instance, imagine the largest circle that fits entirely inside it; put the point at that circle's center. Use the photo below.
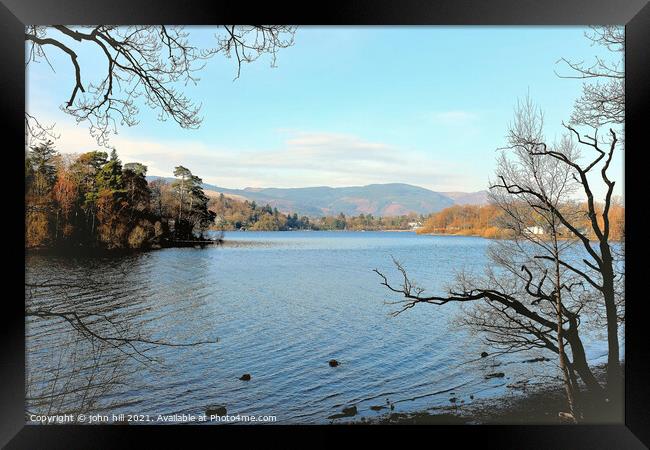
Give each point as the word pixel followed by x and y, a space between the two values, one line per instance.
pixel 391 199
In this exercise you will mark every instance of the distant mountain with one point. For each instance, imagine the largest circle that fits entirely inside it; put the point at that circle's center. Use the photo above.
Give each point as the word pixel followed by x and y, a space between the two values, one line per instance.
pixel 468 198
pixel 393 199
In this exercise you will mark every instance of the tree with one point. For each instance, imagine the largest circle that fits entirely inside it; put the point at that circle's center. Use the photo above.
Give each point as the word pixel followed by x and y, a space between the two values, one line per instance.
pixel 179 186
pixel 40 175
pixel 112 230
pixel 110 175
pixel 94 201
pixel 601 267
pixel 85 170
pixel 137 188
pixel 151 63
pixel 340 222
pixel 160 193
pixel 199 215
pixel 537 233
pixel 66 195
pixel 41 171
pixel 193 212
pixel 526 308
pixel 111 203
pixel 478 220
pixel 603 94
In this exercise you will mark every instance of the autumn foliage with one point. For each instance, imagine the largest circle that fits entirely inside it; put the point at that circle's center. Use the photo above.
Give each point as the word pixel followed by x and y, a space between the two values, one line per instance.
pixel 483 220
pixel 92 200
pixel 467 220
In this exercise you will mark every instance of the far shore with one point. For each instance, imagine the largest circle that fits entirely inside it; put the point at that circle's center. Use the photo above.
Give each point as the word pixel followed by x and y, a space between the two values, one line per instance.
pixel 315 231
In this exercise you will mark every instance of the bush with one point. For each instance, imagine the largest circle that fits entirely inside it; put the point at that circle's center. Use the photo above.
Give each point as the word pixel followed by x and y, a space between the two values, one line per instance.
pixel 137 237
pixel 38 229
pixel 159 229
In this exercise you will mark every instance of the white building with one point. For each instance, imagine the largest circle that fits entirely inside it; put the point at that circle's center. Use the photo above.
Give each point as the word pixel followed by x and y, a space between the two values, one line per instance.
pixel 535 230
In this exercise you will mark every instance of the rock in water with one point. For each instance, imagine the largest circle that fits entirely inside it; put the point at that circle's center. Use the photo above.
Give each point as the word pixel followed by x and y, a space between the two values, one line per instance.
pixel 484 354
pixel 540 359
pixel 333 363
pixel 347 412
pixel 245 377
pixel 216 411
pixel 495 375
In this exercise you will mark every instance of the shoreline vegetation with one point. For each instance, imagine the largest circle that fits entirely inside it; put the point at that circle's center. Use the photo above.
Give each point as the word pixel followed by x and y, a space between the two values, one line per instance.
pixel 232 214
pixel 93 201
pixel 487 221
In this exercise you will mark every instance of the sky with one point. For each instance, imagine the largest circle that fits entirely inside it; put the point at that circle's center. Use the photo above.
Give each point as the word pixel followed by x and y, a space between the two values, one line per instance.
pixel 346 106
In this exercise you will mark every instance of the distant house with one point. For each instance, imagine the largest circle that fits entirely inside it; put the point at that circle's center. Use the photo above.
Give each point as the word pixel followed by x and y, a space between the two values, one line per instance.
pixel 535 230
pixel 415 225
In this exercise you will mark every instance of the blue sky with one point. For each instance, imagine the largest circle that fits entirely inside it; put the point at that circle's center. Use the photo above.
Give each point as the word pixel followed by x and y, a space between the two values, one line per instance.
pixel 348 106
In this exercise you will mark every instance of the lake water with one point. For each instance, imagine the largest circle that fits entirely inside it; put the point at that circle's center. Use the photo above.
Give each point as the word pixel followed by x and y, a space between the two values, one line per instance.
pixel 282 304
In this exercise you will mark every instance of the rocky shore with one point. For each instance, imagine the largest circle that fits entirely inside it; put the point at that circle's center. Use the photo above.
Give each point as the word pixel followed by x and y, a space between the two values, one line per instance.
pixel 536 406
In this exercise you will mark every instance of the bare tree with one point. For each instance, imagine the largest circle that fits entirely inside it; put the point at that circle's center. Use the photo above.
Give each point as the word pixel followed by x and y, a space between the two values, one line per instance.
pixel 73 377
pixel 146 64
pixel 600 265
pixel 537 233
pixel 603 93
pixel 541 284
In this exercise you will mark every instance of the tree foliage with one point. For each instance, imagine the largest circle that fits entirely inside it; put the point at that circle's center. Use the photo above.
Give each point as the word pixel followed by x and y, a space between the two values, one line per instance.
pixel 236 214
pixel 488 221
pixel 93 200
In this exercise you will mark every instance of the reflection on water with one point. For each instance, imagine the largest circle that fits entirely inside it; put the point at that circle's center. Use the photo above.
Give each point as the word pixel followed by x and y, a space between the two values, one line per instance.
pixel 282 305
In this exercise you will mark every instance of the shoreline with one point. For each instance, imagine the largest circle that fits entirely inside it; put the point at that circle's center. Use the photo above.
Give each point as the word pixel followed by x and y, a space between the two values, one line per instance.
pixel 537 405
pixel 313 231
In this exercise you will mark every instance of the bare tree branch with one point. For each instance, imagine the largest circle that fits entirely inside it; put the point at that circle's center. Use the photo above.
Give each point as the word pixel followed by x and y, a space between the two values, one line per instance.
pixel 144 64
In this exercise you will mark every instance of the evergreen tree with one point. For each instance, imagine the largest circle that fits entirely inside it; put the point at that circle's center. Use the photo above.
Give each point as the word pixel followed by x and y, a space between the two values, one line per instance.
pixel 41 172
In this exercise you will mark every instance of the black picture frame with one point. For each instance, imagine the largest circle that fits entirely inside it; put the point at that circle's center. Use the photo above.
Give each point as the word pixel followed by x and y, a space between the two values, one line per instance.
pixel 634 14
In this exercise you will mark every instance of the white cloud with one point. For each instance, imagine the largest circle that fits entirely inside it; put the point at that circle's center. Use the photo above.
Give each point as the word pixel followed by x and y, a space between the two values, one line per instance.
pixel 304 158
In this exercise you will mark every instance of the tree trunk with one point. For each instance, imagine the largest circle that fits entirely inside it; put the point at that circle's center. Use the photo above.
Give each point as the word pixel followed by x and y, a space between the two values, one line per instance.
pixel 614 379
pixel 580 362
pixel 576 389
pixel 568 386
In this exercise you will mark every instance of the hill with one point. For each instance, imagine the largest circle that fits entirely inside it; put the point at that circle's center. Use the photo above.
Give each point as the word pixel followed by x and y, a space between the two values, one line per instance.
pixel 383 200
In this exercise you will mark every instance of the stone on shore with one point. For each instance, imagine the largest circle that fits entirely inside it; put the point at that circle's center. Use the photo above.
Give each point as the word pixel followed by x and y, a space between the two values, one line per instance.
pixel 350 411
pixel 216 411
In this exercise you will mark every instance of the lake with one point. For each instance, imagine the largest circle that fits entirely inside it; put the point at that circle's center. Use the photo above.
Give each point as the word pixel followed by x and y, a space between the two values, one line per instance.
pixel 282 304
